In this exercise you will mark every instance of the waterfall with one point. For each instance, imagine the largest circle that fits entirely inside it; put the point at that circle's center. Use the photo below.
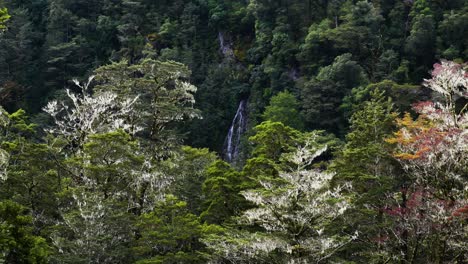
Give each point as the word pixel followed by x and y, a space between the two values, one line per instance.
pixel 225 46
pixel 238 127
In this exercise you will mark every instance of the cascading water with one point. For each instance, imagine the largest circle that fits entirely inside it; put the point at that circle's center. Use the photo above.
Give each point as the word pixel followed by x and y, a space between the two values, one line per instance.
pixel 238 127
pixel 225 46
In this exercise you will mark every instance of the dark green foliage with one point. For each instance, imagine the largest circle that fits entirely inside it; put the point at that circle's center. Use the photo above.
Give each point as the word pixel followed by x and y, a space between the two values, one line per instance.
pixel 356 31
pixel 31 179
pixel 218 98
pixel 164 97
pixel 450 41
pixel 18 244
pixel 323 95
pixel 171 234
pixel 366 162
pixel 272 139
pixel 284 108
pixel 18 69
pixel 421 41
pixel 190 173
pixel 273 46
pixel 402 95
pixel 222 193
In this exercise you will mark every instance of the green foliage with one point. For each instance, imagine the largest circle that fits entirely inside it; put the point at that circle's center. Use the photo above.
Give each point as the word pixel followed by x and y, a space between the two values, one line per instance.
pixel 323 95
pixel 259 167
pixel 276 64
pixel 108 160
pixel 30 176
pixel 284 108
pixel 276 46
pixel 101 200
pixel 171 234
pixel 366 162
pixel 3 17
pixel 18 244
pixel 356 31
pixel 98 177
pixel 221 190
pixel 387 65
pixel 18 49
pixel 272 139
pixel 370 124
pixel 422 38
pixel 218 99
pixel 402 95
pixel 190 173
pixel 421 43
pixel 163 98
pixel 19 123
pixel 344 71
pixel 315 46
pixel 450 33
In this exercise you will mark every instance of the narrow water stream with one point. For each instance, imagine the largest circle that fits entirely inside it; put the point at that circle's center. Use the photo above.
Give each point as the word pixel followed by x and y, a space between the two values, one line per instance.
pixel 239 124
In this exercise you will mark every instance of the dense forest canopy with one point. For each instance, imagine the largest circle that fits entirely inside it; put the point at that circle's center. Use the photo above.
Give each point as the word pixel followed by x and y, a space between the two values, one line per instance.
pixel 219 131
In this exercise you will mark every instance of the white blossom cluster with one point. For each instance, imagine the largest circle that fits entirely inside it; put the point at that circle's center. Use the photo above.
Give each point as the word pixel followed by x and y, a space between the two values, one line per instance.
pixel 241 246
pixel 448 78
pixel 155 180
pixel 294 214
pixel 90 114
pixel 89 224
pixel 444 148
pixel 306 191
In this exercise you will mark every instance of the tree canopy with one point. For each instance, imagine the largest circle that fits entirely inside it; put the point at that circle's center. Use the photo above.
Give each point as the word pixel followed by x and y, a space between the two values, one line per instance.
pixel 253 131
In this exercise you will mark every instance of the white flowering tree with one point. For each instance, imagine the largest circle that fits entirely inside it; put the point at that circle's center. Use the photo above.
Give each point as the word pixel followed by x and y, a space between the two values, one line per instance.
pixel 292 214
pixel 89 114
pixel 432 211
pixel 450 80
pixel 145 99
pixel 165 98
pixel 141 100
pixel 434 148
pixel 118 143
